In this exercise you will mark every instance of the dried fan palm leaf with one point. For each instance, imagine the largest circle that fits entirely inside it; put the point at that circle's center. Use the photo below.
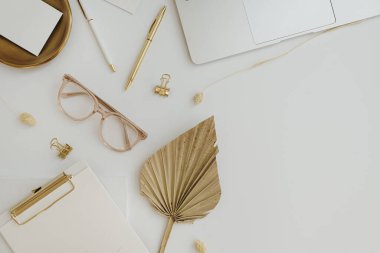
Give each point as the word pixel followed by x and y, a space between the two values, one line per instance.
pixel 181 179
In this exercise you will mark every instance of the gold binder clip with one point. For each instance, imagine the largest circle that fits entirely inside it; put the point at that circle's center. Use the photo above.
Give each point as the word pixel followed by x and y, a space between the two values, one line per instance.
pixel 162 89
pixel 63 150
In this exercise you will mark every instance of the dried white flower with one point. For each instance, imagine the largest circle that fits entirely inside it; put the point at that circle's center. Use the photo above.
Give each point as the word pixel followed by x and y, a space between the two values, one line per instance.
pixel 200 246
pixel 27 119
pixel 198 98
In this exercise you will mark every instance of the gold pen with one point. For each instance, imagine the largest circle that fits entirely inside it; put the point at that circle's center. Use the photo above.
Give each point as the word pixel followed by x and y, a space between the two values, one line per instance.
pixel 152 31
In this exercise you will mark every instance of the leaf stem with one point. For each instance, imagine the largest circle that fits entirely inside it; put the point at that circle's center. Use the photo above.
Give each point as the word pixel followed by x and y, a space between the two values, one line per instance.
pixel 166 236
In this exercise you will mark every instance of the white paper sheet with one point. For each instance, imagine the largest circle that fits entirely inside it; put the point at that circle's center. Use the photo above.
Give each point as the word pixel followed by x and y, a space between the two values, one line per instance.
pixel 127 5
pixel 28 23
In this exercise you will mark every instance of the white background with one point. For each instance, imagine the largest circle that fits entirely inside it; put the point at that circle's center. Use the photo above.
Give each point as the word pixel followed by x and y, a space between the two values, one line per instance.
pixel 299 138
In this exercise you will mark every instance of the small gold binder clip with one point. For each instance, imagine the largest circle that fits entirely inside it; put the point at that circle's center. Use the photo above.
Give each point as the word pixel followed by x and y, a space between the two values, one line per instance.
pixel 63 150
pixel 162 89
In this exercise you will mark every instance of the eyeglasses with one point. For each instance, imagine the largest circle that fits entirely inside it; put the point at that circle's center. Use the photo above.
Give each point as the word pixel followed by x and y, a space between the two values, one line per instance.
pixel 117 132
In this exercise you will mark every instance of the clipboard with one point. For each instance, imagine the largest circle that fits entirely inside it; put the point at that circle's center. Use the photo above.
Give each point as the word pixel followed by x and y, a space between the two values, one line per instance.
pixel 72 213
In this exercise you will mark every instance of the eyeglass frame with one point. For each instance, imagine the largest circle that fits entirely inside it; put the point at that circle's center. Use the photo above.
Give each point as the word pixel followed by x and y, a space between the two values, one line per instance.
pixel 98 102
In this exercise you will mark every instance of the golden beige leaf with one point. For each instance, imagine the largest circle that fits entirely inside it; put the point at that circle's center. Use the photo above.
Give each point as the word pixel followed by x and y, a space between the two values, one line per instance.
pixel 181 179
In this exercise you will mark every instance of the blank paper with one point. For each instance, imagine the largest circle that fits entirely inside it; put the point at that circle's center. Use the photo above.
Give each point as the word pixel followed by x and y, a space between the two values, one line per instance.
pixel 28 23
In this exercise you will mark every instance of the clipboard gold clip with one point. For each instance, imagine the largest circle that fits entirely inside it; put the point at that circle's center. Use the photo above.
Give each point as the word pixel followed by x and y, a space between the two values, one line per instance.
pixel 40 194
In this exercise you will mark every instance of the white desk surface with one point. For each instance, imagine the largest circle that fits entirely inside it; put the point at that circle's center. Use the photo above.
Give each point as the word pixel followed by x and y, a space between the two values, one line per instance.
pixel 299 138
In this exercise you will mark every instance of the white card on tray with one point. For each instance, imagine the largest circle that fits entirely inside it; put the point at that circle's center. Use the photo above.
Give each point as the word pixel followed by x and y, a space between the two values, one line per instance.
pixel 28 23
pixel 127 5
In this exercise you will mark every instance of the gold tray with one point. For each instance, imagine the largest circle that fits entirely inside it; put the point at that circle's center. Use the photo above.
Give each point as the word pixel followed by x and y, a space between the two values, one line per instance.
pixel 15 56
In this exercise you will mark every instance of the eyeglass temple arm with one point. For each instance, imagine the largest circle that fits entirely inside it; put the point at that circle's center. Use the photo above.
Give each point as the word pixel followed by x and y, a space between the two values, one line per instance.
pixel 126 138
pixel 73 94
pixel 101 101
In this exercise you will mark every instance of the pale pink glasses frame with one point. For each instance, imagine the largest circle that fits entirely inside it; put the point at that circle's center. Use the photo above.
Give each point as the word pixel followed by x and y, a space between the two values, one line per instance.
pixel 110 111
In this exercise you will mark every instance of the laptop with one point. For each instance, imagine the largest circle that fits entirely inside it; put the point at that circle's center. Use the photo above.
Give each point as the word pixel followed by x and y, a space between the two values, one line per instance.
pixel 215 29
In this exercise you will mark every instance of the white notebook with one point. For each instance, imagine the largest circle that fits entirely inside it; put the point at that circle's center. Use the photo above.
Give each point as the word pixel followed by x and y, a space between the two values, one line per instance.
pixel 84 220
pixel 28 23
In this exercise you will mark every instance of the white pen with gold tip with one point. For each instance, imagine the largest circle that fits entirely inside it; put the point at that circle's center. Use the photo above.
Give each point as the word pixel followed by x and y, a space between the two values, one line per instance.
pixel 91 22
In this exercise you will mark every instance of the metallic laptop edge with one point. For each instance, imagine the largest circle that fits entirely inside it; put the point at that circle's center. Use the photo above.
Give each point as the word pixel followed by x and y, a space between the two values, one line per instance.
pixel 216 33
